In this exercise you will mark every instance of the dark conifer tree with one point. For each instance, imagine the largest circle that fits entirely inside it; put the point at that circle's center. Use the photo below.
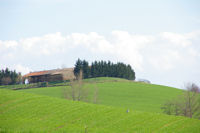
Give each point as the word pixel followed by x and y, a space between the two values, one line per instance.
pixel 8 77
pixel 104 69
pixel 78 67
pixel 86 69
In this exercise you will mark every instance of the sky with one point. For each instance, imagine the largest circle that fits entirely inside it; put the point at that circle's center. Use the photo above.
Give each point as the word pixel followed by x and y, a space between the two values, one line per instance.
pixel 159 39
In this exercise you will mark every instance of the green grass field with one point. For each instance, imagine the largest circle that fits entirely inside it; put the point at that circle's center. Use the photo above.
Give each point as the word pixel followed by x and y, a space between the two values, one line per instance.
pixel 120 93
pixel 26 112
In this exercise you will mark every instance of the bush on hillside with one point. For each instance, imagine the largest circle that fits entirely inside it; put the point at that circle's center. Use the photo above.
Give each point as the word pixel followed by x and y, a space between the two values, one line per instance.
pixel 42 84
pixel 187 104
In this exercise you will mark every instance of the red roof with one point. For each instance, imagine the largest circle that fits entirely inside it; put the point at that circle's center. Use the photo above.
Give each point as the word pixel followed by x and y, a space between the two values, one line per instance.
pixel 36 73
pixel 54 71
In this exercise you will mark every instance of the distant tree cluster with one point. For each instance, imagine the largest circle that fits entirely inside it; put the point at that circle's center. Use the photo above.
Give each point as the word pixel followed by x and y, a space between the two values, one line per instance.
pixel 8 77
pixel 104 69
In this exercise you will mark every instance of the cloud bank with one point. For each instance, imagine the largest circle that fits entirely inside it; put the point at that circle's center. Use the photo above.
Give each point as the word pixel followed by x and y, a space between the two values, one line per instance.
pixel 166 58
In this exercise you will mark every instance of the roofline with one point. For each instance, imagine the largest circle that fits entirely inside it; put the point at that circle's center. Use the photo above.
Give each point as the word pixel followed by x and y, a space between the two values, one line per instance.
pixel 45 72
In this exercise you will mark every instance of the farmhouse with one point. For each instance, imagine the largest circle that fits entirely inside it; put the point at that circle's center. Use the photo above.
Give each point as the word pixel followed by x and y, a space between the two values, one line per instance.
pixel 49 75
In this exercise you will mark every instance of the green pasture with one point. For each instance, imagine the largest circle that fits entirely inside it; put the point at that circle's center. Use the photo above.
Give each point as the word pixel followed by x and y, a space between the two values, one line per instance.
pixel 27 112
pixel 120 93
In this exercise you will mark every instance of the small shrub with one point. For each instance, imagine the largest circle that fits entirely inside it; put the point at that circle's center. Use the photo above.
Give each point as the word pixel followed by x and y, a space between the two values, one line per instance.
pixel 42 84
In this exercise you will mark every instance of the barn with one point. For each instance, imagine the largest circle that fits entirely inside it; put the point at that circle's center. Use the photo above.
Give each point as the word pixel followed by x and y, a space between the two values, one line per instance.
pixel 50 75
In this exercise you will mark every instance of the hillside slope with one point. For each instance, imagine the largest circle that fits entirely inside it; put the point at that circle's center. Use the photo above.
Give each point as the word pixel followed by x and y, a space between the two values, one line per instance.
pixel 25 112
pixel 120 93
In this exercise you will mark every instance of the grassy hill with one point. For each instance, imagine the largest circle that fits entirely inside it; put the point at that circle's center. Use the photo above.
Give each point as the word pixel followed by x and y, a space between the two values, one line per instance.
pixel 120 93
pixel 26 112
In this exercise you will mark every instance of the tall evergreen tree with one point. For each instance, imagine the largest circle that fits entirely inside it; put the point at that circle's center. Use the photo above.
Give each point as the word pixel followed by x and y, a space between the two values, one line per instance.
pixel 78 67
pixel 86 69
pixel 104 69
pixel 9 77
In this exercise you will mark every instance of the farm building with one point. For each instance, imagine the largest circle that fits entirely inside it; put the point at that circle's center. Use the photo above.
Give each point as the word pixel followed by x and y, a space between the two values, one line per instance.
pixel 50 75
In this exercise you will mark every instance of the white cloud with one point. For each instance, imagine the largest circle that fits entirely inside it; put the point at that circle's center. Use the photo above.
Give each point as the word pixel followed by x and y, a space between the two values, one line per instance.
pixel 128 46
pixel 177 39
pixel 92 41
pixel 8 56
pixel 163 52
pixel 8 44
pixel 165 62
pixel 182 40
pixel 22 69
pixel 45 45
pixel 193 52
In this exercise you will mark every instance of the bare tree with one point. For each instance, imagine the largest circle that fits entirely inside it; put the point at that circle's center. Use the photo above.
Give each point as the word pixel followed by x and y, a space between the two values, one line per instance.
pixel 191 99
pixel 79 92
pixel 76 91
pixel 19 78
pixel 187 104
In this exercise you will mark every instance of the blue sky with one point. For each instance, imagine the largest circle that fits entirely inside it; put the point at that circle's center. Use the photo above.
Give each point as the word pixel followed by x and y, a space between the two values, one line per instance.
pixel 32 18
pixel 158 38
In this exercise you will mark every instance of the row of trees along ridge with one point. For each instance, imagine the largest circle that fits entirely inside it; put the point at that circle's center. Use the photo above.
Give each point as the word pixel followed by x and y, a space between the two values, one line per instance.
pixel 104 69
pixel 8 77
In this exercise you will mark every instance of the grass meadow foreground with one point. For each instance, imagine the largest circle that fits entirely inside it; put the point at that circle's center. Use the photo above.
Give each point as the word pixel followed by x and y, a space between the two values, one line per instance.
pixel 120 93
pixel 25 112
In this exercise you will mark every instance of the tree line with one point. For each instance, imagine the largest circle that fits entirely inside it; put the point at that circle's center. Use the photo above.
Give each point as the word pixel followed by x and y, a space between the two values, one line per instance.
pixel 8 77
pixel 104 69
